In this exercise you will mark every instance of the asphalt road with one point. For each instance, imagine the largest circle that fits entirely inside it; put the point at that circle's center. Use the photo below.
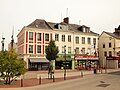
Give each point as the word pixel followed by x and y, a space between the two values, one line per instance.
pixel 91 82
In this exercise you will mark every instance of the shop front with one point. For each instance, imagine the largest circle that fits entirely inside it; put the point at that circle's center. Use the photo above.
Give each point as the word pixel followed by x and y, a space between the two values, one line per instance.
pixel 113 62
pixel 64 62
pixel 86 62
pixel 36 64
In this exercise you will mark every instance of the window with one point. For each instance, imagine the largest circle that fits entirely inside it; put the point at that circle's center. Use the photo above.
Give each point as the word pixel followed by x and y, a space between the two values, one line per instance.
pixel 77 40
pixel 83 40
pixel 38 48
pixel 110 45
pixel 69 38
pixel 94 41
pixel 30 48
pixel 39 36
pixel 56 37
pixel 89 40
pixel 83 50
pixel 63 38
pixel 77 50
pixel 46 37
pixel 63 49
pixel 103 45
pixel 30 35
pixel 69 49
pixel 110 53
pixel 105 53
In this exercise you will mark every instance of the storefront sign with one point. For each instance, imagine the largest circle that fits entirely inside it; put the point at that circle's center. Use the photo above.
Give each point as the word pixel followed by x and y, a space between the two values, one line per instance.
pixel 113 58
pixel 86 57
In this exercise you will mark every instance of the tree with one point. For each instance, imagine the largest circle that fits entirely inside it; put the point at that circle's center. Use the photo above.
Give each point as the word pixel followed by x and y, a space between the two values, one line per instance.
pixel 51 51
pixel 10 66
pixel 51 54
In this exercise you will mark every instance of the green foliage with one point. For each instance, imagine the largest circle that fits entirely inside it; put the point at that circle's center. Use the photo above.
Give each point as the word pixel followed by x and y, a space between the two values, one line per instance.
pixel 10 66
pixel 51 51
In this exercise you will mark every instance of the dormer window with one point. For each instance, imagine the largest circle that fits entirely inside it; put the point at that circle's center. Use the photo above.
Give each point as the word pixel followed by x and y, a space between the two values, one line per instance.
pixel 84 28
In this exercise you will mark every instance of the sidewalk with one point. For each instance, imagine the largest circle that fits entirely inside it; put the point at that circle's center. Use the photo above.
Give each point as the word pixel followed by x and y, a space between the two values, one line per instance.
pixel 31 77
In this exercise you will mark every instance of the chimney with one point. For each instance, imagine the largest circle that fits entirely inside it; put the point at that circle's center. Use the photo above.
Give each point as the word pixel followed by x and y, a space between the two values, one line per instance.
pixel 117 30
pixel 66 20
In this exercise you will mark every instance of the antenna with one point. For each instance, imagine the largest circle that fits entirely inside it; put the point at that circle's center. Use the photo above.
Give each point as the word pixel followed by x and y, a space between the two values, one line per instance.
pixel 12 33
pixel 79 22
pixel 67 12
pixel 61 17
pixel 12 41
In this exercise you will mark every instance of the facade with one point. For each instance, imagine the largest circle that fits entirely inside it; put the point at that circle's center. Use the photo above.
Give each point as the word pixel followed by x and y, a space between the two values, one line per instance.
pixel 109 46
pixel 33 39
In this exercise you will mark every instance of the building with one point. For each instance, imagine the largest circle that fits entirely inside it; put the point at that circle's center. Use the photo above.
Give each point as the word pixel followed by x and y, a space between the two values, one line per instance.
pixel 109 46
pixel 76 39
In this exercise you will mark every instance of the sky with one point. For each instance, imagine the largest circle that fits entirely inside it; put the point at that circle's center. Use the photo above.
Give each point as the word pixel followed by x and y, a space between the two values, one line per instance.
pixel 99 15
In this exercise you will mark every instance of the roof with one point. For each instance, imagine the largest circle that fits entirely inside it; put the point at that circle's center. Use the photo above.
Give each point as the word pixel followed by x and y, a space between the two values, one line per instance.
pixel 42 24
pixel 39 23
pixel 112 34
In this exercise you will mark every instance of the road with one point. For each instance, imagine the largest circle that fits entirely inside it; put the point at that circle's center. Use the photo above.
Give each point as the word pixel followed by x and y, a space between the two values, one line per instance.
pixel 93 82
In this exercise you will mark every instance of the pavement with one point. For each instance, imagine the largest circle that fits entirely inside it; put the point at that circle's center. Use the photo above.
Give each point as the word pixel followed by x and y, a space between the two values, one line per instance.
pixel 35 78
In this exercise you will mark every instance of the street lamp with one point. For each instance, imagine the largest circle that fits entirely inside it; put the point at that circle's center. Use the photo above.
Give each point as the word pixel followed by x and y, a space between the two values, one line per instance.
pixel 75 55
pixel 65 63
pixel 3 43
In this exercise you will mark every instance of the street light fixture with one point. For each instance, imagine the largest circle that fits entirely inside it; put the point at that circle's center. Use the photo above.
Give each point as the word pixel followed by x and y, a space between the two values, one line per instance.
pixel 3 43
pixel 65 63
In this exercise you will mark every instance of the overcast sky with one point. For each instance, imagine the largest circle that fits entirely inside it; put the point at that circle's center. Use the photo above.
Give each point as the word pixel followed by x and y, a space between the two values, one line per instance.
pixel 99 15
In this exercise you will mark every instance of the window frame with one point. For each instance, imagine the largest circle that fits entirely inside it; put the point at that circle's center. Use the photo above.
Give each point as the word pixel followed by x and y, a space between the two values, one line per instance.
pixel 63 38
pixel 39 36
pixel 110 44
pixel 56 37
pixel 30 48
pixel 83 40
pixel 89 40
pixel 39 51
pixel 47 37
pixel 69 38
pixel 30 35
pixel 69 50
pixel 103 45
pixel 77 40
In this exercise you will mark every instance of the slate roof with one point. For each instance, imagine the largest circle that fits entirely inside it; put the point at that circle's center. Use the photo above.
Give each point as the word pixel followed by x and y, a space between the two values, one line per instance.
pixel 42 24
pixel 113 35
pixel 39 23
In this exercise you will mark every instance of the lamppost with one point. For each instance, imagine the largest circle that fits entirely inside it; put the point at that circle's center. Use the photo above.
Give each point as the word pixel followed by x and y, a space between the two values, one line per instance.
pixel 65 63
pixel 74 56
pixel 2 43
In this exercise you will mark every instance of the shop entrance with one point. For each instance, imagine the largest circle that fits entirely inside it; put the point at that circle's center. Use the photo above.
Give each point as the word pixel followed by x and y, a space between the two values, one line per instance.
pixel 63 64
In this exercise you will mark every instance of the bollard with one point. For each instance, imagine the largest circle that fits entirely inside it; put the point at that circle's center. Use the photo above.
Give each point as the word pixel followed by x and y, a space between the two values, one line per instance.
pixel 48 75
pixel 40 80
pixel 53 78
pixel 64 76
pixel 21 82
pixel 101 70
pixel 81 73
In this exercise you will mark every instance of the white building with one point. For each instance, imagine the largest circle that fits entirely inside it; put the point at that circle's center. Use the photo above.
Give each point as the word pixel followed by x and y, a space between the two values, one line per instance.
pixel 33 38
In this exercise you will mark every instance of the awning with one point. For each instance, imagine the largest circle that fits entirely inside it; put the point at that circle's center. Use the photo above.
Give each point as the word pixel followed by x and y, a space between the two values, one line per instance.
pixel 38 60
